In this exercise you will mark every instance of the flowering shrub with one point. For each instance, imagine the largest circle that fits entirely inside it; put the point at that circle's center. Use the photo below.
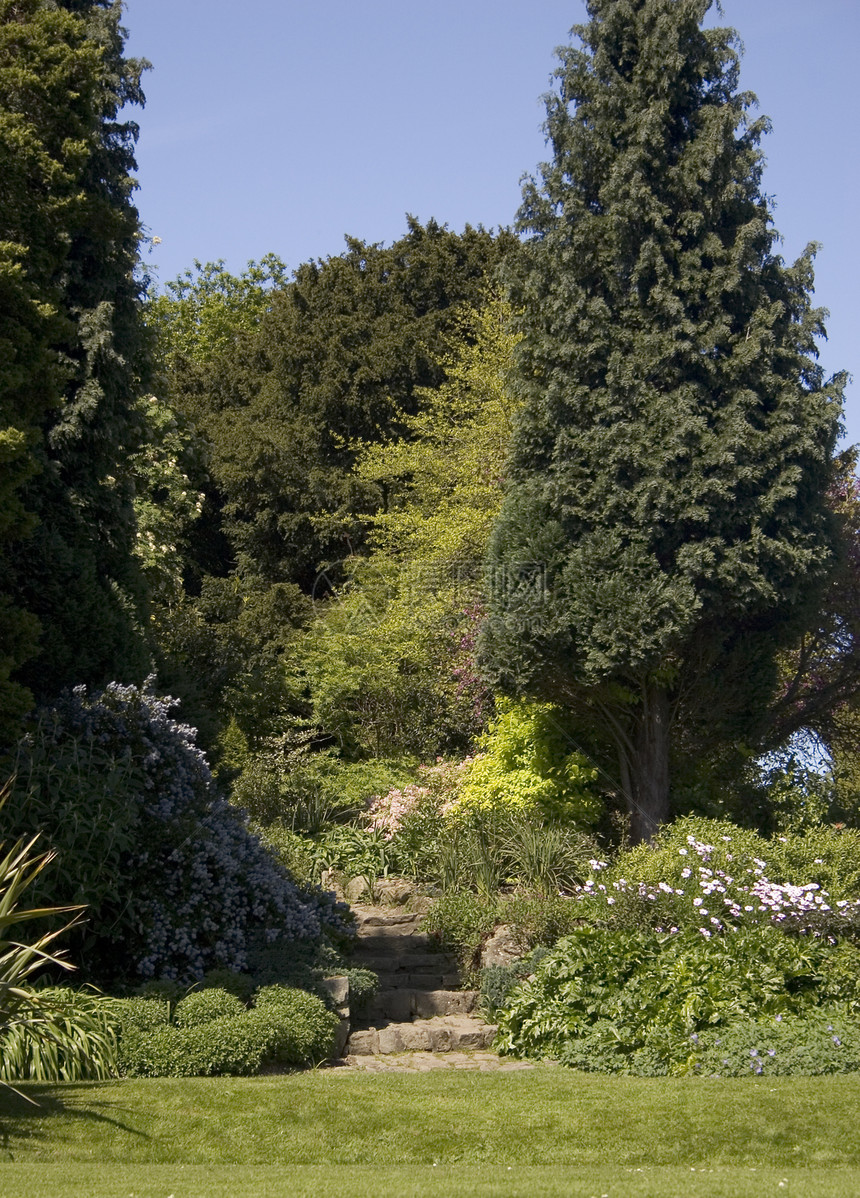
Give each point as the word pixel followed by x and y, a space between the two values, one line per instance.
pixel 715 877
pixel 189 884
pixel 437 791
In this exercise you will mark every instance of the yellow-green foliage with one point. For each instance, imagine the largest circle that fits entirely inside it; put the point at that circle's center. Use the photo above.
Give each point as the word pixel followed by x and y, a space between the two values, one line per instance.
pixel 444 479
pixel 527 765
pixel 385 664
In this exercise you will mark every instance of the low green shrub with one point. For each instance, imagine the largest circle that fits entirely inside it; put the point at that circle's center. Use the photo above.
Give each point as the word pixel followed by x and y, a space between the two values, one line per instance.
pixel 141 1014
pixel 202 1006
pixel 299 1027
pixel 816 1042
pixel 229 1045
pixel 363 984
pixel 288 1028
pixel 629 1002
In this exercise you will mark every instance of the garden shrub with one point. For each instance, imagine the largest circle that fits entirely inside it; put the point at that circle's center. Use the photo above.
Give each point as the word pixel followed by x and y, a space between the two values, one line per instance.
pixel 301 1026
pixel 141 1014
pixel 363 984
pixel 240 984
pixel 175 882
pixel 633 1002
pixel 288 1028
pixel 229 1045
pixel 713 876
pixel 527 767
pixel 202 1006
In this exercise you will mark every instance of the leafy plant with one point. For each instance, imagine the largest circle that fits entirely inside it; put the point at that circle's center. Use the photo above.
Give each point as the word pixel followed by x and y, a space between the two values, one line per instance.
pixel 528 767
pixel 201 1006
pixel 632 1002
pixel 55 1034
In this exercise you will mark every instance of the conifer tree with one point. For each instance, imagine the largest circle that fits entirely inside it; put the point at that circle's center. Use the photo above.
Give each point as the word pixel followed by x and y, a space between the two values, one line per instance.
pixel 672 462
pixel 68 249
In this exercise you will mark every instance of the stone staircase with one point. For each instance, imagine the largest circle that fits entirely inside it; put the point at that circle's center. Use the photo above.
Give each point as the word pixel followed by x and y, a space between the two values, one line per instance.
pixel 418 1007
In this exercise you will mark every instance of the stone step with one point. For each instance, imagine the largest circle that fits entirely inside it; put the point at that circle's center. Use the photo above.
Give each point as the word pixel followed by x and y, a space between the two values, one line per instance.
pixel 401 1004
pixel 427 979
pixel 441 1034
pixel 408 962
pixel 378 917
pixel 390 943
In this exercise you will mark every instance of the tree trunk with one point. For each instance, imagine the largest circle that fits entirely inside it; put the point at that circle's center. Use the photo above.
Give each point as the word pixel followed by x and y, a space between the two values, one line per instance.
pixel 648 795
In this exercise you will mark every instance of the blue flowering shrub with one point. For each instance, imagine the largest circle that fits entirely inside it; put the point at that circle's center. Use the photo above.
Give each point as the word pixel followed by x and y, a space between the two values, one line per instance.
pixel 175 883
pixel 642 1002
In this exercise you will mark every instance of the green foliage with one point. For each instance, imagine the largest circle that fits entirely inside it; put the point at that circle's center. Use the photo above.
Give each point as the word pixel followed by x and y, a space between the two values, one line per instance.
pixel 223 652
pixel 527 767
pixel 390 663
pixel 166 502
pixel 672 462
pixel 140 1014
pixel 240 984
pixel 462 921
pixel 71 343
pixel 811 1044
pixel 74 1038
pixel 305 1028
pixel 205 310
pixel 635 1002
pixel 287 1027
pixel 497 981
pixel 50 1034
pixel 201 1006
pixel 710 874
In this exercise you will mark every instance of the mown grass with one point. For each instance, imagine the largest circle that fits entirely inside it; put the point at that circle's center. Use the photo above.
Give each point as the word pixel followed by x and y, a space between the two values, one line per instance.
pixel 542 1132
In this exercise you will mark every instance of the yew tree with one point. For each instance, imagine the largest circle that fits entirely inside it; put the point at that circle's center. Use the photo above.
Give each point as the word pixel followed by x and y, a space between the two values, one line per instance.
pixel 673 457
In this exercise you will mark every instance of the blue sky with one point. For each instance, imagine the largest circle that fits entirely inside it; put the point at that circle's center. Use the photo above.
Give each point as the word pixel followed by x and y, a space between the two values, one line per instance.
pixel 282 125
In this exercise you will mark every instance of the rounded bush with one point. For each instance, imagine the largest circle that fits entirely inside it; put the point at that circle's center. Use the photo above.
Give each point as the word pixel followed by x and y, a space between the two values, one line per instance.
pixel 175 881
pixel 141 1014
pixel 205 1005
pixel 295 1029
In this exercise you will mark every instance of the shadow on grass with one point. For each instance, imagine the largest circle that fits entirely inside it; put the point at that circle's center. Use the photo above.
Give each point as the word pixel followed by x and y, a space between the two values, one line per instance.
pixel 26 1112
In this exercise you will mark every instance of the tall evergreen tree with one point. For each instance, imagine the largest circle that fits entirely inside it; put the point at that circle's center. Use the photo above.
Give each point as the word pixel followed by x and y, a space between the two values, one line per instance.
pixel 672 463
pixel 70 236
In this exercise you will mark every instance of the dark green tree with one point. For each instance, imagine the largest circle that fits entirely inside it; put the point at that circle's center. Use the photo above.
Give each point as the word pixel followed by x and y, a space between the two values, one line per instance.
pixel 70 234
pixel 338 356
pixel 673 460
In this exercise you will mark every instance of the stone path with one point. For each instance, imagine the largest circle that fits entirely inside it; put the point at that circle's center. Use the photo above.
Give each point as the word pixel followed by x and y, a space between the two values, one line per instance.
pixel 419 1020
pixel 426 1062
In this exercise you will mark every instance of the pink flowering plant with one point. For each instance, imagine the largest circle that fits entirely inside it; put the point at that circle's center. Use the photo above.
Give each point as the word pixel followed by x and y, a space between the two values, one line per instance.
pixel 412 819
pixel 716 878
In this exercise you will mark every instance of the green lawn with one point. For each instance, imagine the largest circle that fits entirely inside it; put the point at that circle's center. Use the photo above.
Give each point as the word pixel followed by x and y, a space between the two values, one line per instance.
pixel 544 1132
